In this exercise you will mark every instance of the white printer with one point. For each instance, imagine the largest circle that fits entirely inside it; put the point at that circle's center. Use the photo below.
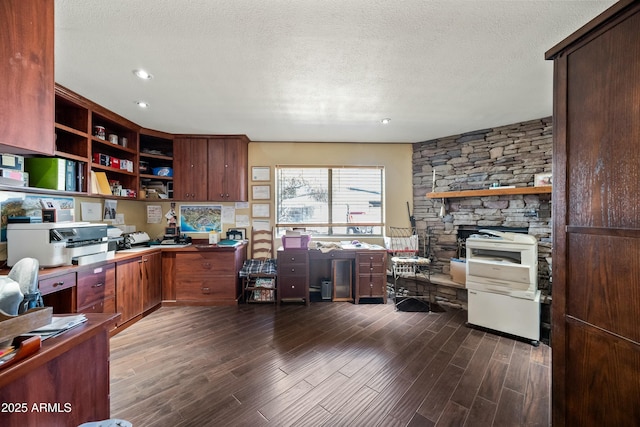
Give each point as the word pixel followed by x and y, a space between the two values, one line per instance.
pixel 57 243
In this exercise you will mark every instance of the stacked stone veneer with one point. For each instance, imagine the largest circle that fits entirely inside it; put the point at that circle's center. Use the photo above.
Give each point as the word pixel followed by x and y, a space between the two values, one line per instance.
pixel 507 155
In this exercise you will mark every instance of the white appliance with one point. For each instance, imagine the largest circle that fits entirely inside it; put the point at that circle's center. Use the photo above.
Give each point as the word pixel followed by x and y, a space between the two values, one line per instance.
pixel 57 243
pixel 502 283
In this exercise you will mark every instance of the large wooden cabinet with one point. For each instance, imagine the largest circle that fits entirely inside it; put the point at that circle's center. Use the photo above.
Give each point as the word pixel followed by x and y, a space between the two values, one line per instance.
pixel 191 170
pixel 228 157
pixel 27 70
pixel 596 222
pixel 212 168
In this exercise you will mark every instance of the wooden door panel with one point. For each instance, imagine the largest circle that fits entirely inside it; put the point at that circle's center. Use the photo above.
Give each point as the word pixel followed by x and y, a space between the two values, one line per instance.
pixel 603 123
pixel 606 371
pixel 603 282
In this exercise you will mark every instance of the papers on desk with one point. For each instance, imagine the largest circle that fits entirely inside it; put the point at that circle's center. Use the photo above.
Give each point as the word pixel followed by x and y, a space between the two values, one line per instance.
pixel 58 325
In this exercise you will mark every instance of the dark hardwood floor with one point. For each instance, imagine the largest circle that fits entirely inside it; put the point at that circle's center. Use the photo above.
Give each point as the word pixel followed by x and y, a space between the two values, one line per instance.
pixel 333 364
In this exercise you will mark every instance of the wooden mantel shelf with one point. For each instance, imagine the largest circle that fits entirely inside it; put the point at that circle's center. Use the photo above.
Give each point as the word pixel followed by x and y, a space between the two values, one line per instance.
pixel 489 192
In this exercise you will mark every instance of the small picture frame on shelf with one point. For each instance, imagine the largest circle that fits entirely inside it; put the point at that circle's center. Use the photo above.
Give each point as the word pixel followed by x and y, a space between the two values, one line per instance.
pixel 543 179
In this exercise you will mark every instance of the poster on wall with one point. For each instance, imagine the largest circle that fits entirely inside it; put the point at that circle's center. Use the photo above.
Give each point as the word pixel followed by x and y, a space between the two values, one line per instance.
pixel 21 204
pixel 200 218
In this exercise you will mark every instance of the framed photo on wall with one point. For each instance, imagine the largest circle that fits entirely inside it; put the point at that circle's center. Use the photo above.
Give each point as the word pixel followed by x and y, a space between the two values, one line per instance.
pixel 543 179
pixel 260 210
pixel 260 173
pixel 261 192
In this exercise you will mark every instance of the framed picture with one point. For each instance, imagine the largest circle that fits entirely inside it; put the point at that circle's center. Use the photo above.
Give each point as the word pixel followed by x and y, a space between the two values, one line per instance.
pixel 260 173
pixel 200 218
pixel 260 210
pixel 261 192
pixel 543 179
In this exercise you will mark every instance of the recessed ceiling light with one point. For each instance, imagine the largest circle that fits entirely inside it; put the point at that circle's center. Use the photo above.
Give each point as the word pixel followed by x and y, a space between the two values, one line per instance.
pixel 142 104
pixel 385 121
pixel 142 74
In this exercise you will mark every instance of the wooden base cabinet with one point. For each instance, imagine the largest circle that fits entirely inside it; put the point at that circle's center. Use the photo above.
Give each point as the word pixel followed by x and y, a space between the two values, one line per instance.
pixel 151 281
pixel 138 285
pixel 65 383
pixel 207 276
pixel 371 280
pixel 129 289
pixel 293 275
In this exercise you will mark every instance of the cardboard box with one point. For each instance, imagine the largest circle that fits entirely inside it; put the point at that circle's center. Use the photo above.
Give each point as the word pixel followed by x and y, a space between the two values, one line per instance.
pixel 458 270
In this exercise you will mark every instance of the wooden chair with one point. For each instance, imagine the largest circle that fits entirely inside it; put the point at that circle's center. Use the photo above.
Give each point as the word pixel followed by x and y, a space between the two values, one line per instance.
pixel 259 273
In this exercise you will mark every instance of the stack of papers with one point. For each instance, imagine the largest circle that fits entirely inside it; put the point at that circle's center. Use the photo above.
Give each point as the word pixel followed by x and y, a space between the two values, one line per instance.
pixel 58 325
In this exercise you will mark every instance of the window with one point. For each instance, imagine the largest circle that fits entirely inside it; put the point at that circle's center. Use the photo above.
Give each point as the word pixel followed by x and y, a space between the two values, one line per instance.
pixel 330 200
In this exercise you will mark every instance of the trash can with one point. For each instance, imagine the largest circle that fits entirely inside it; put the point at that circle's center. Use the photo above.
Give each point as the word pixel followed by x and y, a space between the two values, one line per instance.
pixel 326 289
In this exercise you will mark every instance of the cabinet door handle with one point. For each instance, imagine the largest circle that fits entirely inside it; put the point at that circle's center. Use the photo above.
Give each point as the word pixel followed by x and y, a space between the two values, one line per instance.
pixel 97 285
pixel 58 284
pixel 293 270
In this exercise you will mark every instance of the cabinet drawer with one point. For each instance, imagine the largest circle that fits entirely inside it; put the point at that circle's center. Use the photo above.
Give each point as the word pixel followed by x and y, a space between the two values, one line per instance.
pixel 364 268
pixel 205 263
pixel 288 270
pixel 292 257
pixel 106 306
pixel 292 287
pixel 372 285
pixel 94 286
pixel 57 283
pixel 213 288
pixel 374 258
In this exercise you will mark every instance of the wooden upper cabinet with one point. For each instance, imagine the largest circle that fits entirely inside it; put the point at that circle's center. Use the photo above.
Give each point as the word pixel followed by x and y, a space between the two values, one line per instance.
pixel 228 163
pixel 190 173
pixel 211 168
pixel 27 76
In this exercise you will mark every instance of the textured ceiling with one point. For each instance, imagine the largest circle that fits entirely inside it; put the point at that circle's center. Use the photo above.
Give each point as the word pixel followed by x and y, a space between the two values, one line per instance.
pixel 311 70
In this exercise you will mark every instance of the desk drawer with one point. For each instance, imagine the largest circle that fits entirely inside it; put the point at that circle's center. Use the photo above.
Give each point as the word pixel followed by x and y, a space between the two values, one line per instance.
pixel 374 258
pixel 292 257
pixel 57 283
pixel 205 263
pixel 95 285
pixel 294 270
pixel 211 289
pixel 371 268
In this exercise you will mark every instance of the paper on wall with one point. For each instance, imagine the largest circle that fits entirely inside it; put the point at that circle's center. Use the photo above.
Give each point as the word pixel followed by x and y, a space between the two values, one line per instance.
pixel 91 211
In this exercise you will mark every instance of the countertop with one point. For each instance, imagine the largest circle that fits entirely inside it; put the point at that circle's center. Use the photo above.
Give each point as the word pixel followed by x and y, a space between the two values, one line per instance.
pixel 132 253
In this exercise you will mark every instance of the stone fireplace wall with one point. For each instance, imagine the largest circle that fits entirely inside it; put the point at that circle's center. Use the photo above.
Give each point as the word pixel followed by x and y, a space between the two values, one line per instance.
pixel 505 155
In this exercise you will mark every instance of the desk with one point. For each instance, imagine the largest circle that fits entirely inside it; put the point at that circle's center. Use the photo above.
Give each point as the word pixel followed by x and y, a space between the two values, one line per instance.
pixel 65 383
pixel 301 269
